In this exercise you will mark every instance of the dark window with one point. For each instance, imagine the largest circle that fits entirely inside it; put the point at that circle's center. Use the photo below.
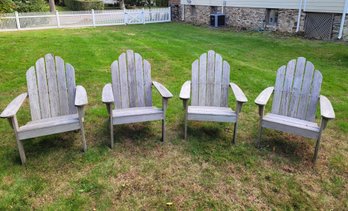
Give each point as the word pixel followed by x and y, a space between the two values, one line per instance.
pixel 272 17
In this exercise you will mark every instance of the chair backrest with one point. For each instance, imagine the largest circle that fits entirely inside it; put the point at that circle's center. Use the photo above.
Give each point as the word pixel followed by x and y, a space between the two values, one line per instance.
pixel 297 89
pixel 131 81
pixel 51 88
pixel 210 80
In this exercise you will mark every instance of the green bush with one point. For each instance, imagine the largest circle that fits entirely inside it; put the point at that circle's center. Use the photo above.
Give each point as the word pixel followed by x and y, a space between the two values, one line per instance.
pixel 23 6
pixel 84 5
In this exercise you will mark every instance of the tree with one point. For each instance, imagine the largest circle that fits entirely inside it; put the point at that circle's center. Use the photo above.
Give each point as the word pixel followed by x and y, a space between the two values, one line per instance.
pixel 52 5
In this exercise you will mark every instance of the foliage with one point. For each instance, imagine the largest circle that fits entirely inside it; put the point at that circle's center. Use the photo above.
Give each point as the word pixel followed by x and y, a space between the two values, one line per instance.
pixel 84 5
pixel 205 172
pixel 23 6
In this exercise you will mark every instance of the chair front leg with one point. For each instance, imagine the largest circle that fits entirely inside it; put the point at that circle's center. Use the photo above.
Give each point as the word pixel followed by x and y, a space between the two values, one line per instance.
pixel 14 124
pixel 111 125
pixel 261 113
pixel 238 110
pixel 164 107
pixel 81 113
pixel 323 125
pixel 185 103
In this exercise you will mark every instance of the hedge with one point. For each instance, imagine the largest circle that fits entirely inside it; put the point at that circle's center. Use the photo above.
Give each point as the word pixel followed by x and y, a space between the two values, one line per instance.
pixel 84 5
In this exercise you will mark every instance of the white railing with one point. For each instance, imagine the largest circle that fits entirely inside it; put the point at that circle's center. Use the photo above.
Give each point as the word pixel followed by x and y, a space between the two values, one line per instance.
pixel 65 19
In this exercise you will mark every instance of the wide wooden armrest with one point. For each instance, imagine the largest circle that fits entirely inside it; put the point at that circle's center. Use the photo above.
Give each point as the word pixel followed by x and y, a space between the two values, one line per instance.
pixel 264 96
pixel 108 95
pixel 81 96
pixel 238 93
pixel 164 92
pixel 12 108
pixel 185 91
pixel 326 109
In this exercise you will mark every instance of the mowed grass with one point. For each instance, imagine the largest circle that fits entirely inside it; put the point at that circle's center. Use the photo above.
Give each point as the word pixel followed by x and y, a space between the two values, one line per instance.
pixel 204 172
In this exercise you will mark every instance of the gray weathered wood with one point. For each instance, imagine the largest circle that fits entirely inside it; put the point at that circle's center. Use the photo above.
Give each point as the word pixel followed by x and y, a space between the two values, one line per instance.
pixel 165 93
pixel 136 114
pixel 202 81
pixel 305 91
pixel 314 97
pixel 81 96
pixel 52 85
pixel 264 96
pixel 107 95
pixel 123 80
pixel 286 95
pixel 185 91
pixel 12 108
pixel 116 84
pixel 326 109
pixel 210 113
pixel 132 83
pixel 296 87
pixel 139 71
pixel 42 88
pixel 291 125
pixel 148 83
pixel 217 81
pixel 62 87
pixel 278 90
pixel 225 84
pixel 238 93
pixel 71 85
pixel 209 98
pixel 33 94
pixel 195 83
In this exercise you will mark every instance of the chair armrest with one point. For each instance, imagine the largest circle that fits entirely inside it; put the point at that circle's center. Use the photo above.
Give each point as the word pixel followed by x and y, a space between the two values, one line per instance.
pixel 326 109
pixel 165 93
pixel 264 96
pixel 81 96
pixel 185 92
pixel 238 93
pixel 12 108
pixel 108 95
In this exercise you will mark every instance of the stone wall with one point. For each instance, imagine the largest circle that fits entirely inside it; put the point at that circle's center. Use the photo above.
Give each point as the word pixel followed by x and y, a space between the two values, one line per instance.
pixel 245 18
pixel 336 27
pixel 287 20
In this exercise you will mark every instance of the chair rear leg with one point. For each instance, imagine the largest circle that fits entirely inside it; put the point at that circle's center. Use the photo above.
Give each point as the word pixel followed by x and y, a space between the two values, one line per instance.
pixel 21 151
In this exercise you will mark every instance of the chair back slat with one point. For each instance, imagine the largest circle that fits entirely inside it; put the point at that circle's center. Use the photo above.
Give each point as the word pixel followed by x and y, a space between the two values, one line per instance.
pixel 297 90
pixel 210 80
pixel 51 88
pixel 131 81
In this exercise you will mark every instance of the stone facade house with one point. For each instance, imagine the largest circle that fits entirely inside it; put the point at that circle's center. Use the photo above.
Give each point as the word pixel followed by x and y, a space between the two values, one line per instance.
pixel 321 19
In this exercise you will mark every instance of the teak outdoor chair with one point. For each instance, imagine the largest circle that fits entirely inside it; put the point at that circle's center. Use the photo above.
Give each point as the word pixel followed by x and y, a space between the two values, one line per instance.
pixel 296 96
pixel 56 103
pixel 129 97
pixel 209 90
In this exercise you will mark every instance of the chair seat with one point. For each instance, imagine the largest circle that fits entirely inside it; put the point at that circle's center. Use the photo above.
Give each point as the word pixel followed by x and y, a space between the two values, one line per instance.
pixel 210 113
pixel 49 126
pixel 136 114
pixel 291 125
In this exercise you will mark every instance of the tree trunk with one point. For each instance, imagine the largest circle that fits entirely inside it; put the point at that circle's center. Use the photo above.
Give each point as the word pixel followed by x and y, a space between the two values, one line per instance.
pixel 52 6
pixel 122 4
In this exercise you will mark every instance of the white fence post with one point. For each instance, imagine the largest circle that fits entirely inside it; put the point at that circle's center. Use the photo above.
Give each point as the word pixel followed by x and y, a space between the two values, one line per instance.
pixel 58 21
pixel 93 17
pixel 125 16
pixel 143 14
pixel 17 20
pixel 170 13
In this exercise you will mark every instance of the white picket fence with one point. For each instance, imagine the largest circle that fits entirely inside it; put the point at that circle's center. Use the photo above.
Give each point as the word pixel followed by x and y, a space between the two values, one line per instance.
pixel 66 19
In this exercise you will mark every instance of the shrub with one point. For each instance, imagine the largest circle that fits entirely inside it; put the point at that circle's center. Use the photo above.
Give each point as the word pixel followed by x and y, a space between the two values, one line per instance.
pixel 84 5
pixel 23 6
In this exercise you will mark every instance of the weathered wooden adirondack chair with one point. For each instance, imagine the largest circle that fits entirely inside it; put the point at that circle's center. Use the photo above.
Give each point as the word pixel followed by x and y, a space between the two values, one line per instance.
pixel 209 90
pixel 296 95
pixel 56 103
pixel 130 93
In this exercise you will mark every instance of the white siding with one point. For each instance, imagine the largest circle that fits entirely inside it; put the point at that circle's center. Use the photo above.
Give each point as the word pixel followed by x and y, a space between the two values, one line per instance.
pixel 334 6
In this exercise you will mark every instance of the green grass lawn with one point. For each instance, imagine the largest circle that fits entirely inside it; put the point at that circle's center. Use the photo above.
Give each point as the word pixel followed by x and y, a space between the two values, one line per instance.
pixel 204 172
